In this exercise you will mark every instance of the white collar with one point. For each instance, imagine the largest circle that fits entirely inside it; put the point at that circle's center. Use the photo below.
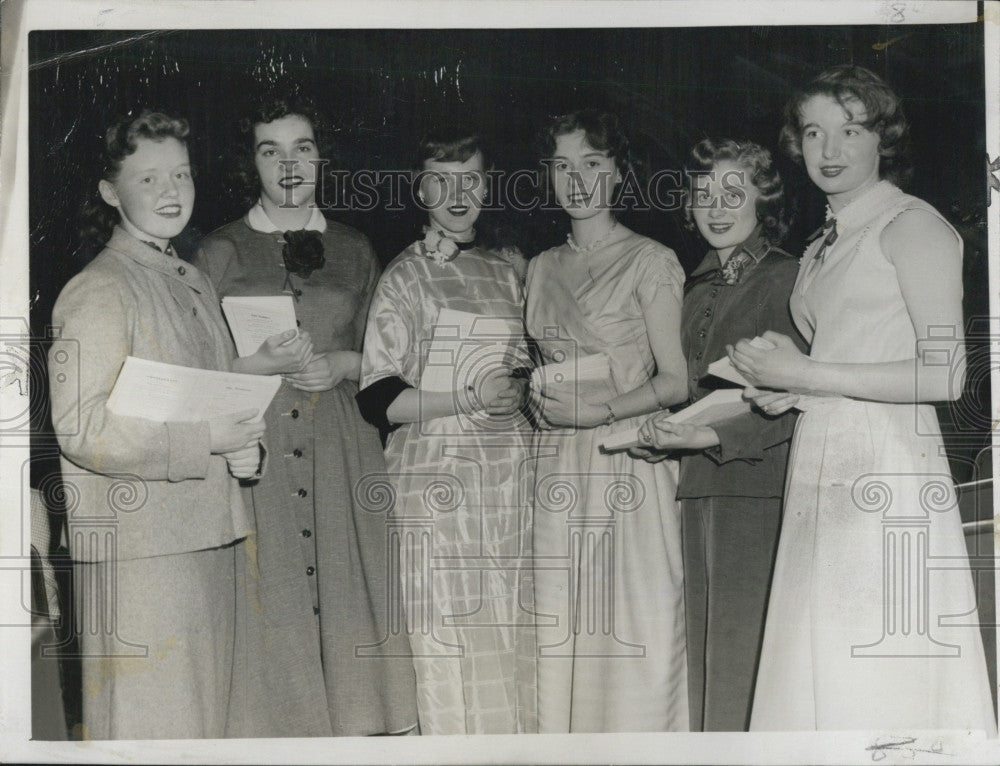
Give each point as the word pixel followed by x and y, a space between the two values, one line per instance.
pixel 258 220
pixel 859 209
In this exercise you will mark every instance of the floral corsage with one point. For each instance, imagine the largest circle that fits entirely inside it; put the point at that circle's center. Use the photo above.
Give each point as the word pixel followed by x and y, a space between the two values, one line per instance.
pixel 437 246
pixel 302 254
pixel 736 264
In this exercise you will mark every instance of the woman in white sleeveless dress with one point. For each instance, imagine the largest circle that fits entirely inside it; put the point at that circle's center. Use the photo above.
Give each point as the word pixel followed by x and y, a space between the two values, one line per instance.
pixel 872 620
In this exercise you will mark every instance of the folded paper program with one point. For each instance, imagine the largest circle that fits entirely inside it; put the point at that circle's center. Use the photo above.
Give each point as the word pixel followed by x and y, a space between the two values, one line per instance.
pixel 723 368
pixel 252 319
pixel 172 393
pixel 717 406
pixel 588 376
pixel 467 347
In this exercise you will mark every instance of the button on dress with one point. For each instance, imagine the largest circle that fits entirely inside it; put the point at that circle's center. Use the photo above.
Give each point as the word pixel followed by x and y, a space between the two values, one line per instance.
pixel 328 662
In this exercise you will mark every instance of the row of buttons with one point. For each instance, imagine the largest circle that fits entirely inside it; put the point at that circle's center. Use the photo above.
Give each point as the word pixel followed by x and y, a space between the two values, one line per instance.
pixel 704 333
pixel 302 492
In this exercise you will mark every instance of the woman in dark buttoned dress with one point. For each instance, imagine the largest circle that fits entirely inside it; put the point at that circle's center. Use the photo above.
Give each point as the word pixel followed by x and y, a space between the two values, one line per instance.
pixel 327 663
pixel 732 474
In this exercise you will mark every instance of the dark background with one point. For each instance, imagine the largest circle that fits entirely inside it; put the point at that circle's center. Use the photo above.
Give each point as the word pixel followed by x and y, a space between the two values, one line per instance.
pixel 382 89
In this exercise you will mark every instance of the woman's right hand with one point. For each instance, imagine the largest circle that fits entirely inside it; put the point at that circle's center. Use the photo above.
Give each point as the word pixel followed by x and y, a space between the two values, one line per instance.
pixel 770 402
pixel 283 352
pixel 510 399
pixel 480 397
pixel 229 433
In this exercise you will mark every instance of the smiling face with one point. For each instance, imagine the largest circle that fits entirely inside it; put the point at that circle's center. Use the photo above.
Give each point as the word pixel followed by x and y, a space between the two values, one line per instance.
pixel 153 191
pixel 724 206
pixel 841 155
pixel 453 193
pixel 583 178
pixel 286 155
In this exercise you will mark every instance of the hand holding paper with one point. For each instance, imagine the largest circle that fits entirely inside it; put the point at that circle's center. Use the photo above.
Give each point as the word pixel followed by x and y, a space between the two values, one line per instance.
pixel 661 433
pixel 724 368
pixel 172 393
pixel 235 431
pixel 573 392
pixel 465 348
pixel 510 399
pixel 719 405
pixel 285 353
pixel 781 367
pixel 244 463
pixel 254 319
pixel 769 402
pixel 773 402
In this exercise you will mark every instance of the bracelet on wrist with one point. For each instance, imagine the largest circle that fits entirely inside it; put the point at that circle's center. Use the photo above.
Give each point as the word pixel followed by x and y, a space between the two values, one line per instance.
pixel 610 417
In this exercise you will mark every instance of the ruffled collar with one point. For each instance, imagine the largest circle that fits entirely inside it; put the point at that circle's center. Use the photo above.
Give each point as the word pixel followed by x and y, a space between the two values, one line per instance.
pixel 440 248
pixel 258 220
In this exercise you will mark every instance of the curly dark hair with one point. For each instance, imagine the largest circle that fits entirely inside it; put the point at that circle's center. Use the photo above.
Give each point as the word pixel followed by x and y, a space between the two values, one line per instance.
pixel 120 140
pixel 709 152
pixel 270 106
pixel 603 131
pixel 883 110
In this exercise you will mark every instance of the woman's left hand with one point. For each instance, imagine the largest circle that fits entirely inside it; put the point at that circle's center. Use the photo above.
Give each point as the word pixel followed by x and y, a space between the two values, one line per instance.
pixel 783 367
pixel 771 402
pixel 648 454
pixel 660 433
pixel 560 406
pixel 324 371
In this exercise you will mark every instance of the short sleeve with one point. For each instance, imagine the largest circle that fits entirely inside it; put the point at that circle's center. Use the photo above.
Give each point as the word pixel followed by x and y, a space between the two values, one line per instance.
pixel 389 331
pixel 657 269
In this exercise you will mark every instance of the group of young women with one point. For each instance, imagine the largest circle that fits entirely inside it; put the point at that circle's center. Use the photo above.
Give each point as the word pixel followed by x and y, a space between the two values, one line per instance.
pixel 518 577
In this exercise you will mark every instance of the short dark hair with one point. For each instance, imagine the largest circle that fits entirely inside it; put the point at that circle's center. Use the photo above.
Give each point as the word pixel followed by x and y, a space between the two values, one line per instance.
pixel 120 140
pixel 456 143
pixel 603 131
pixel 270 106
pixel 709 152
pixel 883 110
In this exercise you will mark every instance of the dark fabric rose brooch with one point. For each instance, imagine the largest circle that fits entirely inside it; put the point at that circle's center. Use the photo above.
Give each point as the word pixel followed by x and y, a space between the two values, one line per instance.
pixel 302 254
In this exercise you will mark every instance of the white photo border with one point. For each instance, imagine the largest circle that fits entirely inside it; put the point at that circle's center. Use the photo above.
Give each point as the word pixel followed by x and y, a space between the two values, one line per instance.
pixel 22 16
